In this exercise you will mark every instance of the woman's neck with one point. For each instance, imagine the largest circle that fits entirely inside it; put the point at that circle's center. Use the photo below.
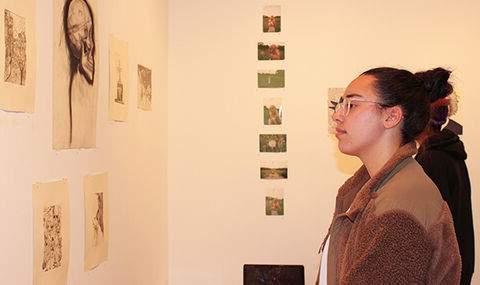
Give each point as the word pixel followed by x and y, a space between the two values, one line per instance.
pixel 377 156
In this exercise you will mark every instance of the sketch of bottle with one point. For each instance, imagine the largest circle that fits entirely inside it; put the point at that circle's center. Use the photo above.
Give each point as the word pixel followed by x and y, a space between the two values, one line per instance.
pixel 119 98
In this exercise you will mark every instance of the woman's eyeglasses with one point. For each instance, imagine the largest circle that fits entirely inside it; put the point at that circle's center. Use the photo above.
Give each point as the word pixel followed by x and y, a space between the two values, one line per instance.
pixel 344 105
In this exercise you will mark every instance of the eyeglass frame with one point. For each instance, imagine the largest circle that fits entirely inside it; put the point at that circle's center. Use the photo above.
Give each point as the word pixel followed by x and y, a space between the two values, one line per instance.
pixel 348 101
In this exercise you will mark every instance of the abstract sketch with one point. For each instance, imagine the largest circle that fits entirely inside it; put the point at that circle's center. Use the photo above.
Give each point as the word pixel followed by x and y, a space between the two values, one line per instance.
pixel 272 111
pixel 271 78
pixel 334 95
pixel 52 233
pixel 96 220
pixel 18 58
pixel 118 106
pixel 15 49
pixel 75 95
pixel 273 143
pixel 271 19
pixel 271 51
pixel 97 223
pixel 144 88
pixel 274 202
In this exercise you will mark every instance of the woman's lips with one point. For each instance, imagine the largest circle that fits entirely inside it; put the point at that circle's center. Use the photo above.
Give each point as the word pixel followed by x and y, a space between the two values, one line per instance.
pixel 339 131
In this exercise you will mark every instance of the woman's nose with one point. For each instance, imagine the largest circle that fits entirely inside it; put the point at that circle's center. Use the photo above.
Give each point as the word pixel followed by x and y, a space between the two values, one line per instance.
pixel 337 116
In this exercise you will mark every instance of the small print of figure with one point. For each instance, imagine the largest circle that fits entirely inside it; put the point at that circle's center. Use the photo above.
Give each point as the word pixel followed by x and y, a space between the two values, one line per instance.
pixel 119 98
pixel 97 223
pixel 274 202
pixel 272 111
pixel 273 51
pixel 52 236
pixel 15 49
pixel 144 88
pixel 271 19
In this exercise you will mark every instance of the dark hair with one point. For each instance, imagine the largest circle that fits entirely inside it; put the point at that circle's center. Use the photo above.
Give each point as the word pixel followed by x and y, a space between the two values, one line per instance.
pixel 413 93
pixel 435 80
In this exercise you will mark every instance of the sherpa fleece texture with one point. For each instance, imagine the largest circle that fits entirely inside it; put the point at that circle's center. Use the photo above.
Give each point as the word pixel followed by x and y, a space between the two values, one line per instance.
pixel 401 234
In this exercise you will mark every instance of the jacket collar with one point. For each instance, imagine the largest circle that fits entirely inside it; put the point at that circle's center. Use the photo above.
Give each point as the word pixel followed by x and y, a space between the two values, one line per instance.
pixel 362 185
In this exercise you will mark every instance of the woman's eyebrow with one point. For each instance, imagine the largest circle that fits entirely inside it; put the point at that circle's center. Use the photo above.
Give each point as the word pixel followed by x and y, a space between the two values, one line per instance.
pixel 353 95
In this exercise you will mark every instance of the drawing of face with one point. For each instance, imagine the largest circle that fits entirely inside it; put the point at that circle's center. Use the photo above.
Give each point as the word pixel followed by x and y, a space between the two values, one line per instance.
pixel 80 37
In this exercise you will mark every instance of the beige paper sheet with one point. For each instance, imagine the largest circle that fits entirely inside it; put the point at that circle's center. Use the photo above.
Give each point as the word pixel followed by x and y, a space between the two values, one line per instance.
pixel 96 220
pixel 75 81
pixel 51 233
pixel 118 106
pixel 17 55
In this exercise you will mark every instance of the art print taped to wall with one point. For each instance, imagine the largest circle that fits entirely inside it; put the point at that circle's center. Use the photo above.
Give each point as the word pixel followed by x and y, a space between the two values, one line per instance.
pixel 51 232
pixel 17 56
pixel 273 170
pixel 75 83
pixel 273 143
pixel 144 88
pixel 334 95
pixel 274 202
pixel 271 51
pixel 271 78
pixel 96 220
pixel 271 19
pixel 272 111
pixel 118 106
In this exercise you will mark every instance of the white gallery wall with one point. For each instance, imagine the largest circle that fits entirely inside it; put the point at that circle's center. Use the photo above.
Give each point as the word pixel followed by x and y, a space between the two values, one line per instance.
pixel 216 201
pixel 134 153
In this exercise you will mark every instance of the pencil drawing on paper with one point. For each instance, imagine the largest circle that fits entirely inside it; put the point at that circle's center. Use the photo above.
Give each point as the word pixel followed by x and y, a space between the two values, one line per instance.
pixel 52 237
pixel 144 88
pixel 15 49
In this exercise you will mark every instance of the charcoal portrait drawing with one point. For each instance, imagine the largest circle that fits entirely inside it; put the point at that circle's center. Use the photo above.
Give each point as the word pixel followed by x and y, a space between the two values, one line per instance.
pixel 75 99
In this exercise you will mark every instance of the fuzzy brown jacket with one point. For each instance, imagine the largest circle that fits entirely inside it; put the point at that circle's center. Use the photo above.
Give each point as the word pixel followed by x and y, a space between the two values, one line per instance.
pixel 397 229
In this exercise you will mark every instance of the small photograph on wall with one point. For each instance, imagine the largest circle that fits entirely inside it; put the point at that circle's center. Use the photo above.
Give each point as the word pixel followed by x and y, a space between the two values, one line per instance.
pixel 274 202
pixel 51 232
pixel 273 143
pixel 271 78
pixel 273 170
pixel 334 95
pixel 271 19
pixel 144 88
pixel 17 56
pixel 272 111
pixel 96 220
pixel 271 51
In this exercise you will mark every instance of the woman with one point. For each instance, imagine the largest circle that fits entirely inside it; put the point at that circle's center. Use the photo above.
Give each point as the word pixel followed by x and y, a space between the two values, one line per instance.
pixel 442 156
pixel 390 223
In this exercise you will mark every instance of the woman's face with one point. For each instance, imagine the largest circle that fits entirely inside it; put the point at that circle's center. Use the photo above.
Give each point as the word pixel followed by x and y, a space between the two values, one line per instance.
pixel 361 128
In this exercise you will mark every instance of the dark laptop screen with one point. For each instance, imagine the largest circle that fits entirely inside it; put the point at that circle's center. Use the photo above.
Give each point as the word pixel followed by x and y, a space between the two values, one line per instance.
pixel 269 274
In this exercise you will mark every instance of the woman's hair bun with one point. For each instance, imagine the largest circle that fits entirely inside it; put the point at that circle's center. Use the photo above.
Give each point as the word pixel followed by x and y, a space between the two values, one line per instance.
pixel 436 83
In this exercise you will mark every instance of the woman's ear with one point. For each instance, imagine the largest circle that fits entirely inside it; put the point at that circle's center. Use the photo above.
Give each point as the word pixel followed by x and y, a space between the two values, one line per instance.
pixel 392 116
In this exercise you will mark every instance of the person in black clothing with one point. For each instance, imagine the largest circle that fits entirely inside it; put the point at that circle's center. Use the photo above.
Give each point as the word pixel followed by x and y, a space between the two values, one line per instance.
pixel 442 156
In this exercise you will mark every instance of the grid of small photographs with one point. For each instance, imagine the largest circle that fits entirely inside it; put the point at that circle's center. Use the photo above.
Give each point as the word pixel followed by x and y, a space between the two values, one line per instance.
pixel 273 169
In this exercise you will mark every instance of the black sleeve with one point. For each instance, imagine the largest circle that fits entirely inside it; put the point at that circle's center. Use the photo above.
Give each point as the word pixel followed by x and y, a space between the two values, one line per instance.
pixel 436 165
